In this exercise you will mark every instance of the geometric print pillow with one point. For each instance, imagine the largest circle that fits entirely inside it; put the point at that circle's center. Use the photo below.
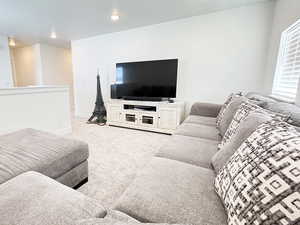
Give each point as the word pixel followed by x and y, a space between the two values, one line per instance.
pixel 243 111
pixel 241 114
pixel 260 184
pixel 224 107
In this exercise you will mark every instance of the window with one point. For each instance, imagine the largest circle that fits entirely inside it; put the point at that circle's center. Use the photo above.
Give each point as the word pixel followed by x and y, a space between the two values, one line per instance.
pixel 288 66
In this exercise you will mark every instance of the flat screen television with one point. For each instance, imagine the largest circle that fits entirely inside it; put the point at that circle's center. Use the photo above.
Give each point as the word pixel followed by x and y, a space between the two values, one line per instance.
pixel 147 80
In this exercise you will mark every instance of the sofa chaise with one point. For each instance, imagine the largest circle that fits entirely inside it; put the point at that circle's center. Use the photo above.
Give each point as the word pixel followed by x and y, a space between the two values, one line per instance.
pixel 62 159
pixel 34 199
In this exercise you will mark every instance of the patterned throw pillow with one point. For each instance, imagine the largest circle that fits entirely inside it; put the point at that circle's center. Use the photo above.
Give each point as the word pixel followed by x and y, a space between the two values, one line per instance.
pixel 224 106
pixel 229 113
pixel 260 184
pixel 241 114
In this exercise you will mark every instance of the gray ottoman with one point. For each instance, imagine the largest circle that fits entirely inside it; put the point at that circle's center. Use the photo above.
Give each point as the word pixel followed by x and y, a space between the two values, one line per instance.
pixel 31 150
pixel 34 199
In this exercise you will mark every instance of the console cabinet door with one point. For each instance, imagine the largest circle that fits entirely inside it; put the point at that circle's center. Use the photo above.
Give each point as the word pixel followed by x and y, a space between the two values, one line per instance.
pixel 130 117
pixel 167 118
pixel 148 120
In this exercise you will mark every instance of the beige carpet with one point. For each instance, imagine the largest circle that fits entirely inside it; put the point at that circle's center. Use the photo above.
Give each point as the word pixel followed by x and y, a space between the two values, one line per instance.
pixel 116 155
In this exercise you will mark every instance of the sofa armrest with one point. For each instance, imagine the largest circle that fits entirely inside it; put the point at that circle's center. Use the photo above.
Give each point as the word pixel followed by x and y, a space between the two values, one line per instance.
pixel 205 109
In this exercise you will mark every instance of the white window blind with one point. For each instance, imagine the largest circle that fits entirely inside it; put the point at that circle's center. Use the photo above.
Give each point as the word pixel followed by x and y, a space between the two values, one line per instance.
pixel 288 66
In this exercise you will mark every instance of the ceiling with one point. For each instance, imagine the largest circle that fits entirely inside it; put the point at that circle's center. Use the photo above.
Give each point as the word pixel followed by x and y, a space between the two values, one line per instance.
pixel 31 21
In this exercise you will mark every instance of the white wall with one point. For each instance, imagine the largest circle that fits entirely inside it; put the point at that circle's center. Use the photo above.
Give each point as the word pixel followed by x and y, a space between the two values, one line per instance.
pixel 41 64
pixel 218 53
pixel 56 66
pixel 27 65
pixel 286 13
pixel 6 79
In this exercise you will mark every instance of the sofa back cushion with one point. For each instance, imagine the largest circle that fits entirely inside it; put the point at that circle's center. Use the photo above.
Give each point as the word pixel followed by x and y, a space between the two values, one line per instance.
pixel 246 128
pixel 259 97
pixel 286 108
pixel 260 183
pixel 278 106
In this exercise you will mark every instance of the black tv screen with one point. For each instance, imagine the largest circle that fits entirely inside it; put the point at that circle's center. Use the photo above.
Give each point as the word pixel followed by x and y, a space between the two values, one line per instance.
pixel 148 79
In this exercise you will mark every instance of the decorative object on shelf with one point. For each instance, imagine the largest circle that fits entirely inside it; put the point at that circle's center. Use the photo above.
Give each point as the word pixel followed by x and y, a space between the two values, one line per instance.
pixel 99 114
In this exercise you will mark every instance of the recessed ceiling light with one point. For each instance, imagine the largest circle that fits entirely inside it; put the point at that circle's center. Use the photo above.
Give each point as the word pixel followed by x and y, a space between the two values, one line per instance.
pixel 12 42
pixel 115 17
pixel 53 35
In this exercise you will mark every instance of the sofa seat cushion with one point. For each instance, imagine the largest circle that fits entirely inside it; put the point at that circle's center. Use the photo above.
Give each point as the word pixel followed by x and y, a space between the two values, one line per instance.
pixel 204 120
pixel 112 217
pixel 168 191
pixel 34 199
pixel 30 149
pixel 190 150
pixel 105 222
pixel 199 131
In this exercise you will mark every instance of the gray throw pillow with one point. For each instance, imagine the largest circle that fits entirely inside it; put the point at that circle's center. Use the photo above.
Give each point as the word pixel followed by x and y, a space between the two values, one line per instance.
pixel 229 112
pixel 246 128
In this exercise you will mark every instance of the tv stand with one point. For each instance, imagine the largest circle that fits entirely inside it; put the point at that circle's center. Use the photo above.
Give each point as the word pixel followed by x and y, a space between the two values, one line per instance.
pixel 162 117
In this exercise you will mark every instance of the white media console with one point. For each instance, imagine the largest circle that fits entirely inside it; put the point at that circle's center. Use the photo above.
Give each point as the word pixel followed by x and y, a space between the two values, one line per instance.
pixel 163 117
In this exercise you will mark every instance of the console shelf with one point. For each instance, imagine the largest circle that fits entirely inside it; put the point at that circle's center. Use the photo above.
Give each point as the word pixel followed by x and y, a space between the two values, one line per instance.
pixel 163 117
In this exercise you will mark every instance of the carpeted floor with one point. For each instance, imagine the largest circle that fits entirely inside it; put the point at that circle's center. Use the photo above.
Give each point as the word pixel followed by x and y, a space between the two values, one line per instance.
pixel 116 155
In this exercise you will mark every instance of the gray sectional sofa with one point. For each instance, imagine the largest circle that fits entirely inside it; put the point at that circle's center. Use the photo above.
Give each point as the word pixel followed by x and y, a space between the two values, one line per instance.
pixel 176 186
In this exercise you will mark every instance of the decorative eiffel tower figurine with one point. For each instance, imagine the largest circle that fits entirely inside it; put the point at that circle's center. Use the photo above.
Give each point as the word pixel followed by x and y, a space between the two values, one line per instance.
pixel 99 111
